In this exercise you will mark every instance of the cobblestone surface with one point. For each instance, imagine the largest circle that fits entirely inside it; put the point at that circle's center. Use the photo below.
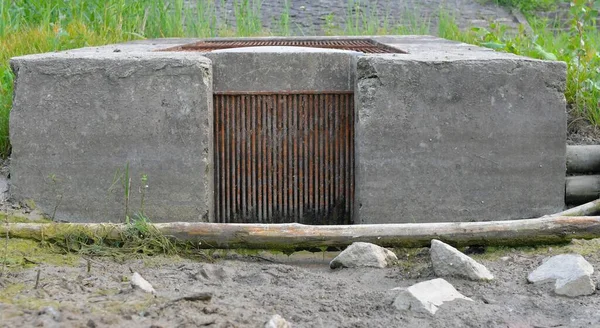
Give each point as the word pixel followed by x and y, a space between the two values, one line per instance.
pixel 318 17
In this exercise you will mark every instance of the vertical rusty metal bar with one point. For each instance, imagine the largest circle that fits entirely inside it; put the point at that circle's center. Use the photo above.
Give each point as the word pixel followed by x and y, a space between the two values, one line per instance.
pixel 276 151
pixel 250 159
pixel 296 158
pixel 239 164
pixel 340 158
pixel 224 165
pixel 264 160
pixel 333 164
pixel 217 156
pixel 258 163
pixel 291 158
pixel 227 168
pixel 347 158
pixel 321 145
pixel 231 164
pixel 234 159
pixel 305 156
pixel 280 158
pixel 284 158
pixel 270 152
pixel 242 160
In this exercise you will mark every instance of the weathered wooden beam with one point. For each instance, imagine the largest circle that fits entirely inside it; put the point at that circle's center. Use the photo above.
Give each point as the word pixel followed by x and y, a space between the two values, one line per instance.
pixel 590 208
pixel 544 230
pixel 582 188
pixel 583 159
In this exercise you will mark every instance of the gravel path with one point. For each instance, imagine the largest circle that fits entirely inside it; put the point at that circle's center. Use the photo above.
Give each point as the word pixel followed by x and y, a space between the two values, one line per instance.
pixel 318 17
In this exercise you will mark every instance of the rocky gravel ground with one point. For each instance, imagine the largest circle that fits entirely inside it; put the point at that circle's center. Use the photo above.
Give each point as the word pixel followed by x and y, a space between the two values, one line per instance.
pixel 232 290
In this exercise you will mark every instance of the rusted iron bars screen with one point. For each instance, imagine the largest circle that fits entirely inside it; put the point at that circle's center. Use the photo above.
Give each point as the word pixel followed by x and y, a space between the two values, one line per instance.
pixel 360 45
pixel 284 158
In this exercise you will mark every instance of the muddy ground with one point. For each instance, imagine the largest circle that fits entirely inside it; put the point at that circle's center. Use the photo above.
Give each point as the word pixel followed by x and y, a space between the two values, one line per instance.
pixel 247 290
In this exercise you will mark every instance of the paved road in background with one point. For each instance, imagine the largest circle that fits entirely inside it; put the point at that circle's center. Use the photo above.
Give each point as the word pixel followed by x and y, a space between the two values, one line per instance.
pixel 317 17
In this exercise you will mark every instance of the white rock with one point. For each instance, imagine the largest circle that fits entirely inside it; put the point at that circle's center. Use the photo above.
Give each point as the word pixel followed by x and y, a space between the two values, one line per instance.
pixel 363 255
pixel 427 296
pixel 572 273
pixel 137 281
pixel 448 261
pixel 278 321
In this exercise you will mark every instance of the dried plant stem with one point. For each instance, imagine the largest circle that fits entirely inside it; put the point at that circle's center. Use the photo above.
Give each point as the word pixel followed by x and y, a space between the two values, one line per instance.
pixel 37 279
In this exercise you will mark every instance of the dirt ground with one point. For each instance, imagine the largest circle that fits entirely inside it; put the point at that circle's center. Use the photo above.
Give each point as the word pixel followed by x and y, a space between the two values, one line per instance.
pixel 581 132
pixel 248 289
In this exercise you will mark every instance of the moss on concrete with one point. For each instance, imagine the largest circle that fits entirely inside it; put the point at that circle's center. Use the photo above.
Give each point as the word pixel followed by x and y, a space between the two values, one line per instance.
pixel 21 218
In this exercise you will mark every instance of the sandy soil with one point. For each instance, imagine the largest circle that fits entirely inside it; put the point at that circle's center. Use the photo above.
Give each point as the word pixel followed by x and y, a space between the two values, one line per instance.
pixel 248 290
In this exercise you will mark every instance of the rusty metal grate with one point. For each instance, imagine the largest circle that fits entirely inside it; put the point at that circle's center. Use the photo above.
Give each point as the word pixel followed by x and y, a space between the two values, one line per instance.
pixel 360 45
pixel 284 158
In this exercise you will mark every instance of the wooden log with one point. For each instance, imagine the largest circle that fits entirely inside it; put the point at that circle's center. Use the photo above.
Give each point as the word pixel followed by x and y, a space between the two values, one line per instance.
pixel 591 208
pixel 581 189
pixel 583 159
pixel 291 237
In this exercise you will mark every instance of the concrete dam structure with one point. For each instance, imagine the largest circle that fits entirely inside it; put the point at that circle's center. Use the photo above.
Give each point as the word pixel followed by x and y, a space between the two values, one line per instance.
pixel 322 130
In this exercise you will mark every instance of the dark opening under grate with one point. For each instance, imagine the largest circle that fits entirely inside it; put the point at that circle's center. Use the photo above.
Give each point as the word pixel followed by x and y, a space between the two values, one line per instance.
pixel 360 45
pixel 283 158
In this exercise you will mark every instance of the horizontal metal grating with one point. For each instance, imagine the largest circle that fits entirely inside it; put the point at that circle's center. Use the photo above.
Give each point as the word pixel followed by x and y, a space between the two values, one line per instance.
pixel 283 158
pixel 360 45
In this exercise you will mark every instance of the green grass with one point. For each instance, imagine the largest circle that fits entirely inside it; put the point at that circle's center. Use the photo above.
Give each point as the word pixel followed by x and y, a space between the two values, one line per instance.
pixel 528 6
pixel 34 26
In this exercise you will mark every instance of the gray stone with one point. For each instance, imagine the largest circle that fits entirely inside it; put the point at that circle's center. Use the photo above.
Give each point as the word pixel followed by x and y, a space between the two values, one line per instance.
pixel 277 321
pixel 448 261
pixel 79 118
pixel 361 254
pixel 427 296
pixel 277 69
pixel 52 312
pixel 451 132
pixel 137 281
pixel 571 272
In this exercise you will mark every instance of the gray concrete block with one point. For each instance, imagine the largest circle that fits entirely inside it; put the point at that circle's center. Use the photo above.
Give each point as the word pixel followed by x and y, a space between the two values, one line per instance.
pixel 459 136
pixel 79 118
pixel 283 69
pixel 446 132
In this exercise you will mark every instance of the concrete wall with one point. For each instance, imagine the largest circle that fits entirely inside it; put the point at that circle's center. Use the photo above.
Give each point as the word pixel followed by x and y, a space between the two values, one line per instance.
pixel 287 69
pixel 78 118
pixel 448 132
pixel 454 133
